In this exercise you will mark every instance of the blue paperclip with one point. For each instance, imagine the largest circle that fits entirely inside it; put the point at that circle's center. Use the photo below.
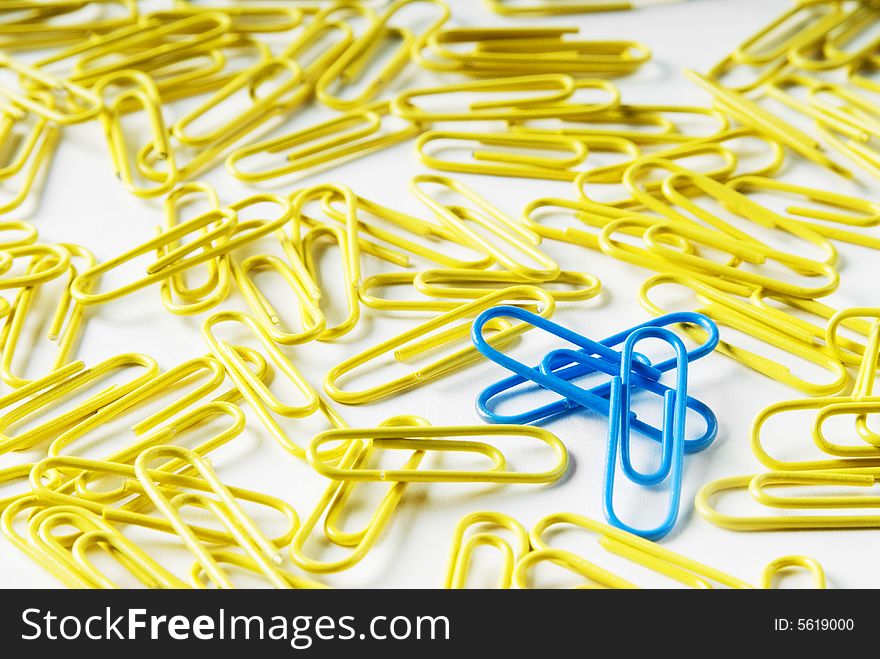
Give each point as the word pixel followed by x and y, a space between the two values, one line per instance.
pixel 595 400
pixel 576 358
pixel 577 397
pixel 672 443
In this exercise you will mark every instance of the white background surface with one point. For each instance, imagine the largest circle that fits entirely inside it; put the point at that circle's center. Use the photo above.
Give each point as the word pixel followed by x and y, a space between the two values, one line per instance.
pixel 83 203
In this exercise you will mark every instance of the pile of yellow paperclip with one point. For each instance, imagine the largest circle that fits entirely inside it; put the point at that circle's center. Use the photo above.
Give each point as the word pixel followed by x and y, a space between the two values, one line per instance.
pixel 211 83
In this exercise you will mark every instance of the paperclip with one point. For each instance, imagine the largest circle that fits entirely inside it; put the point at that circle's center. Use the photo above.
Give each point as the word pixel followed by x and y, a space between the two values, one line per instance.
pixel 680 182
pixel 672 439
pixel 249 19
pixel 20 31
pixel 560 7
pixel 347 243
pixel 146 95
pixel 461 552
pixel 849 478
pixel 310 313
pixel 656 238
pixel 256 392
pixel 173 262
pixel 751 114
pixel 260 108
pixel 148 571
pixel 515 237
pixel 435 232
pixel 85 103
pixel 829 53
pixel 866 155
pixel 739 315
pixel 166 484
pixel 559 87
pixel 160 385
pixel 332 142
pixel 31 156
pixel 239 524
pixel 399 346
pixel 647 554
pixel 218 284
pixel 844 457
pixel 776 567
pixel 336 496
pixel 32 398
pixel 435 438
pixel 242 562
pixel 144 45
pixel 217 223
pixel 860 212
pixel 500 51
pixel 65 334
pixel 349 67
pixel 472 284
pixel 75 562
pixel 504 163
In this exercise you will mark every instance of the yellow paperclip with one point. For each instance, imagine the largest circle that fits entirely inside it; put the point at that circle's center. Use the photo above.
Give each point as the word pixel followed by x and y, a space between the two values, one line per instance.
pixel 653 557
pixel 434 232
pixel 226 506
pixel 65 334
pixel 337 140
pixel 657 240
pixel 848 478
pixel 348 244
pixel 310 312
pixel 148 43
pixel 335 498
pixel 416 341
pixel 30 19
pixel 559 88
pixel 217 223
pixel 434 438
pixel 501 51
pixel 217 286
pixel 513 236
pixel 560 7
pixel 461 553
pixel 73 562
pixel 753 321
pixel 255 391
pixel 751 114
pixel 677 189
pixel 828 53
pixel 767 50
pixel 442 303
pixel 34 397
pixel 473 284
pixel 242 562
pixel 505 163
pixel 349 67
pixel 864 154
pixel 266 18
pixel 82 105
pixel 145 94
pixel 166 483
pixel 30 157
pixel 243 122
pixel 775 568
pixel 173 262
pixel 859 212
